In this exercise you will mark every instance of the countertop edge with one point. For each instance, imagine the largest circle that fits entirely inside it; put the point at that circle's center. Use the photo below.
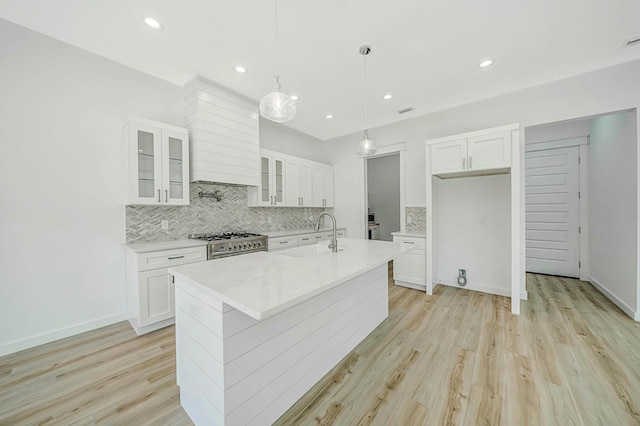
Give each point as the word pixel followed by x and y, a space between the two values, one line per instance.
pixel 164 245
pixel 409 234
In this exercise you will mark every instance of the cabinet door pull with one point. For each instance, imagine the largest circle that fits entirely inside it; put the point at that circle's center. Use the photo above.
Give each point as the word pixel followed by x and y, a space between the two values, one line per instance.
pixel 470 163
pixel 302 201
pixel 305 239
pixel 175 257
pixel 166 195
pixel 408 242
pixel 158 195
pixel 463 164
pixel 283 242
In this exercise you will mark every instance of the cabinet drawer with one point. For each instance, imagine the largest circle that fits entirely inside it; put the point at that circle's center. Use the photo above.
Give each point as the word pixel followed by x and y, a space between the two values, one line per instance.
pixel 341 234
pixel 311 238
pixel 418 242
pixel 282 242
pixel 168 258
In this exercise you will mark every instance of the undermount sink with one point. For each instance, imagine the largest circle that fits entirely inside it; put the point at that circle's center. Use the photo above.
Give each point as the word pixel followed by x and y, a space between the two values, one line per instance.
pixel 309 250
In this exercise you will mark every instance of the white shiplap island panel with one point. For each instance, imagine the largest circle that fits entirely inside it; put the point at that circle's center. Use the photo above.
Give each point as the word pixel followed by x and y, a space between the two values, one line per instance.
pixel 255 332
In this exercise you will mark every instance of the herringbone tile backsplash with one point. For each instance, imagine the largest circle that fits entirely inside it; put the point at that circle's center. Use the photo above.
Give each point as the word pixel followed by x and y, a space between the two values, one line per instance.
pixel 418 219
pixel 231 213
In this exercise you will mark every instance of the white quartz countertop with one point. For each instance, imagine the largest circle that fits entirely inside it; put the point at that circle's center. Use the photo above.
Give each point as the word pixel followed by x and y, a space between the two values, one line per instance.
pixel 275 234
pixel 263 284
pixel 409 234
pixel 164 245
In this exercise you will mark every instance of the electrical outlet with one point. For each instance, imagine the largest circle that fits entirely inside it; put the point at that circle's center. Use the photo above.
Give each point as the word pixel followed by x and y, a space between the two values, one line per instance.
pixel 164 224
pixel 462 272
pixel 409 219
pixel 268 219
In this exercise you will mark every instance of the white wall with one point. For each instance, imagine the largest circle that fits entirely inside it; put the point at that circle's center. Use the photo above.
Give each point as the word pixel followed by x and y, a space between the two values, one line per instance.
pixel 613 207
pixel 474 231
pixel 557 131
pixel 62 220
pixel 383 186
pixel 279 138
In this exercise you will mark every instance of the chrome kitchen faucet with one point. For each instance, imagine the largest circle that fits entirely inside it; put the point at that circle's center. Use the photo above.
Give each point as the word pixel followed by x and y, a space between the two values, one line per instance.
pixel 333 245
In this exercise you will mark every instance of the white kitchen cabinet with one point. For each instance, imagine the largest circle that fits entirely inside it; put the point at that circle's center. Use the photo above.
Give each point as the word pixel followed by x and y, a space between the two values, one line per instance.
pixel 408 269
pixel 301 238
pixel 158 157
pixel 150 290
pixel 341 233
pixel 322 178
pixel 281 243
pixel 298 186
pixel 479 153
pixel 271 188
pixel 310 238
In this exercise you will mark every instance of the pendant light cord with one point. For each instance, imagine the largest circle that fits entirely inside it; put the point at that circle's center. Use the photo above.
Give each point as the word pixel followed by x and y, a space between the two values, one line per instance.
pixel 365 92
pixel 277 42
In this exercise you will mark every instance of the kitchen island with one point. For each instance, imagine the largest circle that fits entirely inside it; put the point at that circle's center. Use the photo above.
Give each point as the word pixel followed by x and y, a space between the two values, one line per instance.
pixel 255 332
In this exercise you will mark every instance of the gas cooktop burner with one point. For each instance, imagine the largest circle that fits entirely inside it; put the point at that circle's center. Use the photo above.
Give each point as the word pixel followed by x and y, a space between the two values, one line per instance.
pixel 223 236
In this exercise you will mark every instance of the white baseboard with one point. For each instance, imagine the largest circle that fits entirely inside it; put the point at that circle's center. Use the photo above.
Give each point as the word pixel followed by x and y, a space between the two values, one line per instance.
pixel 524 295
pixel 30 342
pixel 619 303
pixel 477 287
pixel 411 285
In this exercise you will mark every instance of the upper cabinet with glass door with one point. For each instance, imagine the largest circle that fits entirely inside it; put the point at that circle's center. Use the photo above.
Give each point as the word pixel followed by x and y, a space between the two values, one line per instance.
pixel 270 191
pixel 158 163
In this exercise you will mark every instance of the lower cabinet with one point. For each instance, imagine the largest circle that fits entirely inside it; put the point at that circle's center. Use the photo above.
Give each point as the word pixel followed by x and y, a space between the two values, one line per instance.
pixel 150 290
pixel 408 269
pixel 302 239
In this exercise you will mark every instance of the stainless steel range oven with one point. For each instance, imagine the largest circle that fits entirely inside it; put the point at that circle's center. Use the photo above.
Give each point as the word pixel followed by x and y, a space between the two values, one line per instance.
pixel 232 243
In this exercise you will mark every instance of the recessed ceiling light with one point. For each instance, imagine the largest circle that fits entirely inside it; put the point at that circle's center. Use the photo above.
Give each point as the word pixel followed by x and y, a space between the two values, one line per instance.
pixel 295 97
pixel 153 23
pixel 329 116
pixel 486 63
pixel 387 96
pixel 240 69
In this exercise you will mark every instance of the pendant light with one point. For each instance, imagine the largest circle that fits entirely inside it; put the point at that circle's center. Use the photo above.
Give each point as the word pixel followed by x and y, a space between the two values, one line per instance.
pixel 366 145
pixel 277 106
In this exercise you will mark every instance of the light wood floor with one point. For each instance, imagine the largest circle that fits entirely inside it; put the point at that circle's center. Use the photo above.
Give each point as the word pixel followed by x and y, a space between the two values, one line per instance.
pixel 458 357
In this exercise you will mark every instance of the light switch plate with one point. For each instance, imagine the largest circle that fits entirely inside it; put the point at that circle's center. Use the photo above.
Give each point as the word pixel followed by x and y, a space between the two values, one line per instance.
pixel 164 224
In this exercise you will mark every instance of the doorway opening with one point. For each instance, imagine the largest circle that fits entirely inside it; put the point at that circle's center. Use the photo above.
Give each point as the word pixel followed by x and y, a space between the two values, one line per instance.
pixel 581 203
pixel 383 196
pixel 382 175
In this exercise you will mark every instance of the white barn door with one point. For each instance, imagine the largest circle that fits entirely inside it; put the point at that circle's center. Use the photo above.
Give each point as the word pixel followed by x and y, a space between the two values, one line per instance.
pixel 552 185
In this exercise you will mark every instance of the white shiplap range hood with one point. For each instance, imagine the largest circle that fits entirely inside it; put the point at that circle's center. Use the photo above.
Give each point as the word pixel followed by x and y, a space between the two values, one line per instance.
pixel 223 133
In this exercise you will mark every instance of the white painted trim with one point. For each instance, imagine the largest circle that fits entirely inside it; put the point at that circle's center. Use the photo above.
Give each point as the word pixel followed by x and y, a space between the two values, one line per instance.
pixel 398 148
pixel 41 339
pixel 559 143
pixel 429 273
pixel 618 302
pixel 477 287
pixel 518 273
pixel 409 285
pixel 524 295
pixel 585 262
pixel 637 113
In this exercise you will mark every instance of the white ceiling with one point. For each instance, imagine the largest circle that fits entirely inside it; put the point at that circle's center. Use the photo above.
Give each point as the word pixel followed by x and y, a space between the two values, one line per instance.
pixel 424 52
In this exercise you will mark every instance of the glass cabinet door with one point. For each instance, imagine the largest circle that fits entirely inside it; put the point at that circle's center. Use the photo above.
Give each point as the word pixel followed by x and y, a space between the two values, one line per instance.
pixel 176 179
pixel 146 164
pixel 265 187
pixel 278 180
